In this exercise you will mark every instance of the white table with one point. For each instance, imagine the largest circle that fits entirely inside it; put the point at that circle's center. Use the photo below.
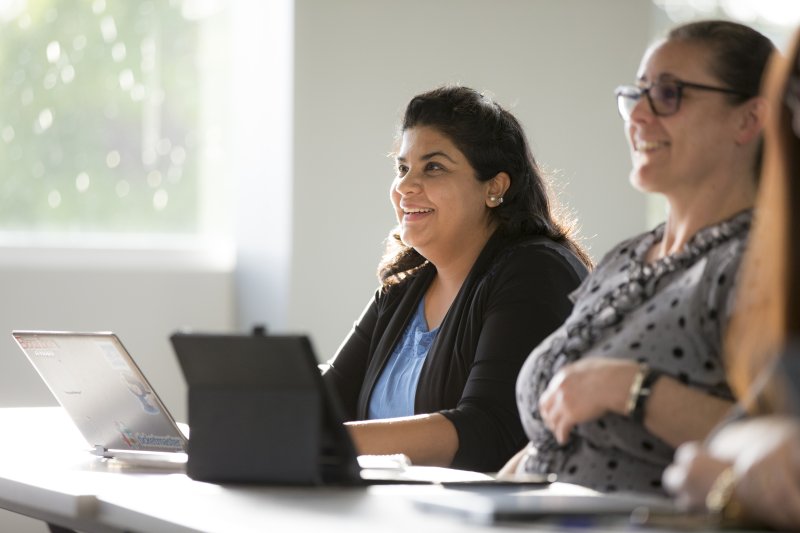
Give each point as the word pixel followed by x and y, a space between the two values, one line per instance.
pixel 47 473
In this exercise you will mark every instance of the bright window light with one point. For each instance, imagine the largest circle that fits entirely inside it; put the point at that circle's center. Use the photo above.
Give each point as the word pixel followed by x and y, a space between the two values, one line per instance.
pixel 761 14
pixel 112 117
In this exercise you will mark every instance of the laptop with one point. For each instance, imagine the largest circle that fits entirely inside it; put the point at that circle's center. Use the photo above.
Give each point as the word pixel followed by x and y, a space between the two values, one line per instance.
pixel 107 396
pixel 565 503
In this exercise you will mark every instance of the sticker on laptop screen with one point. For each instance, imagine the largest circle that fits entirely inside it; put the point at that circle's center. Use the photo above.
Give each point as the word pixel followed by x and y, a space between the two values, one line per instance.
pixel 112 355
pixel 147 399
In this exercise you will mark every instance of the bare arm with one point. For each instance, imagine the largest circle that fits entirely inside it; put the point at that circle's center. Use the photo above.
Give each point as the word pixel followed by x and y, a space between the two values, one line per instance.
pixel 429 439
pixel 677 413
pixel 589 388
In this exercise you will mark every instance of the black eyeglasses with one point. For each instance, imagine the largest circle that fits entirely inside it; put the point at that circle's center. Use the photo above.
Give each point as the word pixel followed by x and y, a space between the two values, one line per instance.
pixel 664 96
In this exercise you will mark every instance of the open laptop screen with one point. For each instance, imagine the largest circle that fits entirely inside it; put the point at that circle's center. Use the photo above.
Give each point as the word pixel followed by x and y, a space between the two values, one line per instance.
pixel 100 387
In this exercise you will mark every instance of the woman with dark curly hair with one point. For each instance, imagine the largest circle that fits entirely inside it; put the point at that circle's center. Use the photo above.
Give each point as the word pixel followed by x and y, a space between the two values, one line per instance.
pixel 475 275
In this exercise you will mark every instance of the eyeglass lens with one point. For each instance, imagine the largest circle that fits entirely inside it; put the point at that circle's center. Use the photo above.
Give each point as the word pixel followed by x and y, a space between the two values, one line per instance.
pixel 664 98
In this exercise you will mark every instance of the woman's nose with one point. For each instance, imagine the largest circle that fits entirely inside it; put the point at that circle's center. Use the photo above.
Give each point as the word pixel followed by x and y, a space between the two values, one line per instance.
pixel 406 183
pixel 642 110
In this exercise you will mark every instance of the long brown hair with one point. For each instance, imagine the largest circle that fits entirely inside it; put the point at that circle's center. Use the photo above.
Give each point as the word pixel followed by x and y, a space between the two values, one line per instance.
pixel 493 141
pixel 768 301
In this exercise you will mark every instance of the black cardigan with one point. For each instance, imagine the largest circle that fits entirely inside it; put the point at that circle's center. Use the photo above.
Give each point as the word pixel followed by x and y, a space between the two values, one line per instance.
pixel 515 295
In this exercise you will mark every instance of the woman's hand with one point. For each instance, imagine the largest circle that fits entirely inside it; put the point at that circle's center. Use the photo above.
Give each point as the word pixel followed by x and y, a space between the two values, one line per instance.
pixel 765 454
pixel 692 474
pixel 768 473
pixel 585 390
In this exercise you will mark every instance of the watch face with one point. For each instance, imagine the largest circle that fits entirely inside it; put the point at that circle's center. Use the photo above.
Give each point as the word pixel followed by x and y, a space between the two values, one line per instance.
pixel 647 381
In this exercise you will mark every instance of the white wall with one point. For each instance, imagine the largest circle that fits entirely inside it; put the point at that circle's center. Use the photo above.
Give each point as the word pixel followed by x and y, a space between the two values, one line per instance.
pixel 142 296
pixel 358 62
pixel 261 158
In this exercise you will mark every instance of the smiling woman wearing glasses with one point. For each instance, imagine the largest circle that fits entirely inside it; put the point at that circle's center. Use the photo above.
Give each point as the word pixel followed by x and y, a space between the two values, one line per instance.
pixel 636 369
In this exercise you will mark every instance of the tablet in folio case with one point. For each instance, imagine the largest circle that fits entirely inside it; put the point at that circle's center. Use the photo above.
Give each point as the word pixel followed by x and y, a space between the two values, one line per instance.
pixel 260 412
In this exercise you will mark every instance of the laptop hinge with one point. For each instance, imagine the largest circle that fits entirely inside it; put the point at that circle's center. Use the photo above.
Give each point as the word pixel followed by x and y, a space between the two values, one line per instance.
pixel 102 451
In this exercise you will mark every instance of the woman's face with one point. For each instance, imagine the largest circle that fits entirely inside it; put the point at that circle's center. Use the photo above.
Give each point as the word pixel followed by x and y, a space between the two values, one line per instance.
pixel 439 202
pixel 677 153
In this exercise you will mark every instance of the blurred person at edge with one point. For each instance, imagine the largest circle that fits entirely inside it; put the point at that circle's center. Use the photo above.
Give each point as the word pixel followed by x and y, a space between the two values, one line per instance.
pixel 749 469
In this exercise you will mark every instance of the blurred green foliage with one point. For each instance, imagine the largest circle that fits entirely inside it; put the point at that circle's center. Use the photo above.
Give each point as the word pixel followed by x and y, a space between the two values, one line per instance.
pixel 99 117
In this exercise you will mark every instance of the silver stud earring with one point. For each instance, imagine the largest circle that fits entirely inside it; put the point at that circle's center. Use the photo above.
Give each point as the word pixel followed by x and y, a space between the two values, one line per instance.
pixel 496 199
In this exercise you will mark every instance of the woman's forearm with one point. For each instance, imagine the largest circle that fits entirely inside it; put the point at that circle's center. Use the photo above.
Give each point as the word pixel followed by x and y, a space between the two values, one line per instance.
pixel 426 439
pixel 589 388
pixel 676 413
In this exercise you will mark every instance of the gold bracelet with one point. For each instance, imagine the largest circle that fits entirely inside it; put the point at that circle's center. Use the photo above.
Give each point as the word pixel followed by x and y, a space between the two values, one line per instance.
pixel 721 501
pixel 636 387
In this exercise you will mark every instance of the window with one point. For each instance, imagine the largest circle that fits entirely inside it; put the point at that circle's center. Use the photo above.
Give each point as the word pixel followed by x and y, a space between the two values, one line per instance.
pixel 775 18
pixel 110 115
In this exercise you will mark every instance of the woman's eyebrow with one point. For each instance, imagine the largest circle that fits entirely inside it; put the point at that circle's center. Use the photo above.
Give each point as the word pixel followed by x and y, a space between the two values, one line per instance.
pixel 429 156
pixel 662 76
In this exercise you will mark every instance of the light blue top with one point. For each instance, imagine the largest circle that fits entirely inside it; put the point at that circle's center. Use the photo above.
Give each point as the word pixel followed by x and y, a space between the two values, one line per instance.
pixel 396 388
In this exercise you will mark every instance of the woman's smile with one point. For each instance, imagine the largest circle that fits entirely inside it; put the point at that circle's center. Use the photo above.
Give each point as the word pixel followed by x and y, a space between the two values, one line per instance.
pixel 413 214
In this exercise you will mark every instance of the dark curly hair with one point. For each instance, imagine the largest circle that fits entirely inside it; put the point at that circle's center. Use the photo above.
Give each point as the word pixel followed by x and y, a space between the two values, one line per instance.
pixel 493 141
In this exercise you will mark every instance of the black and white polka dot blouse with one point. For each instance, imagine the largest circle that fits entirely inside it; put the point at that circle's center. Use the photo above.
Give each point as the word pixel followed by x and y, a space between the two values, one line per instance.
pixel 670 314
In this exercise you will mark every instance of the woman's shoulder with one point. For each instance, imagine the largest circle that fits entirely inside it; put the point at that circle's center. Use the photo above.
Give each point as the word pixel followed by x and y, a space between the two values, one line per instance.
pixel 732 248
pixel 721 270
pixel 609 266
pixel 537 255
pixel 724 244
